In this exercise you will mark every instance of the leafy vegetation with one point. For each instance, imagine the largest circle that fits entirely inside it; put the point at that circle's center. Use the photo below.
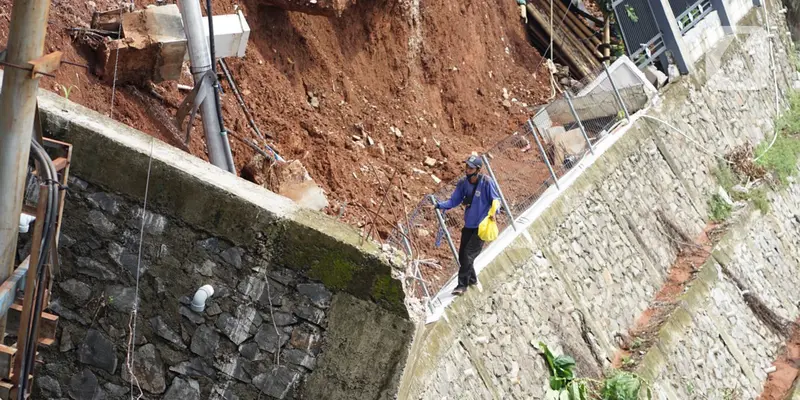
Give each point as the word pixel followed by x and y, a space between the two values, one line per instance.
pixel 782 157
pixel 719 210
pixel 618 386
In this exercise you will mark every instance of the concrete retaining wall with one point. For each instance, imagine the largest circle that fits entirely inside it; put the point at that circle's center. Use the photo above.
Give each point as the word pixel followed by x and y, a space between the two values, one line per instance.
pixel 301 308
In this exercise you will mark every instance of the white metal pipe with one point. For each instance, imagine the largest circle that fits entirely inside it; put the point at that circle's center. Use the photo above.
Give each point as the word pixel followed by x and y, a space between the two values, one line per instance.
pixel 200 297
pixel 200 61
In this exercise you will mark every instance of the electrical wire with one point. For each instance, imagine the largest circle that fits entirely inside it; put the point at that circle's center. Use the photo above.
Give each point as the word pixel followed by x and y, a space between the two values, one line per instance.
pixel 130 356
pixel 46 168
pixel 774 78
pixel 696 143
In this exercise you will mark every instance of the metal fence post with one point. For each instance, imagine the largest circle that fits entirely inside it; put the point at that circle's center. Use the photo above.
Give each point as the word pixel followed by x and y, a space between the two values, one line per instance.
pixel 616 92
pixel 578 119
pixel 544 155
pixel 500 191
pixel 417 271
pixel 446 232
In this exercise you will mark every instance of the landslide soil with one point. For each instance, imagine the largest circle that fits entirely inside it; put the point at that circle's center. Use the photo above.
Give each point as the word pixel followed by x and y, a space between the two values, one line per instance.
pixel 435 70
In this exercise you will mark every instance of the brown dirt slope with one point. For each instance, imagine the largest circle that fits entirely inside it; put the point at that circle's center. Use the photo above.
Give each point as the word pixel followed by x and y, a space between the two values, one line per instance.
pixel 435 70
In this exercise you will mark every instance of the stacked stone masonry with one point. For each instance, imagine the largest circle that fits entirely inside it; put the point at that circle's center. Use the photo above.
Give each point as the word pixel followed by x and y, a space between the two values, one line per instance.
pixel 601 251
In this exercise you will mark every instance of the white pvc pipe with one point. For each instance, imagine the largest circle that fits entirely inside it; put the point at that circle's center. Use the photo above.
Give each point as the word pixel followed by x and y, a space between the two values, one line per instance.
pixel 24 222
pixel 200 297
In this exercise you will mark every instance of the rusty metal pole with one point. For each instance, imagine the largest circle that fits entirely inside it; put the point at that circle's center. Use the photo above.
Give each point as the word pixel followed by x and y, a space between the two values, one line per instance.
pixel 25 43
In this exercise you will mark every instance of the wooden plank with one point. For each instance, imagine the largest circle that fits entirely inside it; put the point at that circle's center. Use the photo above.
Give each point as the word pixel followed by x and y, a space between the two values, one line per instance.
pixel 7 355
pixel 582 68
pixel 6 390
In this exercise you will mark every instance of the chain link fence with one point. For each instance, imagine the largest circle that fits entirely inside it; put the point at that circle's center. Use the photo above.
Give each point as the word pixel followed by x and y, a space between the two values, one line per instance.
pixel 524 166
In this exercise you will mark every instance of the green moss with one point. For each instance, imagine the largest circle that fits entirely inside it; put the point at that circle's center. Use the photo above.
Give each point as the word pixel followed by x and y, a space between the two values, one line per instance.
pixel 725 176
pixel 387 289
pixel 335 272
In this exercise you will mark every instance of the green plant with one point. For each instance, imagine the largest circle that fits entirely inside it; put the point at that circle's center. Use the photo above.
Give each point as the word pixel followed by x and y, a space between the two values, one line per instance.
pixel 782 157
pixel 631 13
pixel 623 386
pixel 719 209
pixel 66 90
pixel 637 342
pixel 619 386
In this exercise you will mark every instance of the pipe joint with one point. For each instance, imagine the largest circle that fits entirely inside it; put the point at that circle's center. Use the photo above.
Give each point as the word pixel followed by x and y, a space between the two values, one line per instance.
pixel 200 297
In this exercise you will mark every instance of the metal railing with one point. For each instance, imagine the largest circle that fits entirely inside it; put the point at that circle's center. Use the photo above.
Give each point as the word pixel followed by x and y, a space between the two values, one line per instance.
pixel 523 166
pixel 693 15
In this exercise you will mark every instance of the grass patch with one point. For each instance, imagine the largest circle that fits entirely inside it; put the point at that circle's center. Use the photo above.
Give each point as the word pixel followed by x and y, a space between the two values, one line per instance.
pixel 781 159
pixel 733 184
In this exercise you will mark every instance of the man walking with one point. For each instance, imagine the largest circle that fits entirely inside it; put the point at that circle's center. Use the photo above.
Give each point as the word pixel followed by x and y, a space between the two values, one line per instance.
pixel 479 195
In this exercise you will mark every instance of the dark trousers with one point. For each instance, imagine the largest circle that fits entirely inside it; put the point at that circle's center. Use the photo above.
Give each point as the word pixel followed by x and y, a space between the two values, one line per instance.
pixel 471 245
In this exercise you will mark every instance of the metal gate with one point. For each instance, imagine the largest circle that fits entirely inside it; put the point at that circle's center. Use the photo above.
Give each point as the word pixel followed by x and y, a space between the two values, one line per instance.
pixel 643 39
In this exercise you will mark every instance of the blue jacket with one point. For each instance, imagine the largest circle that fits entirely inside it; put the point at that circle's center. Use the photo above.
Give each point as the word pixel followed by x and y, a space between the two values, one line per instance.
pixel 481 203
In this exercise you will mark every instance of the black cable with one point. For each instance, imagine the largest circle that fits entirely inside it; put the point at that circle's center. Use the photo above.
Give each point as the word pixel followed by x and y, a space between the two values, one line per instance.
pixel 50 220
pixel 212 50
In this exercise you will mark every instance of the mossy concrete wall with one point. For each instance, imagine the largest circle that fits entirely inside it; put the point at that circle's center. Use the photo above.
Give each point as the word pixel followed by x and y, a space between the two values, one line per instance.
pixel 598 254
pixel 333 326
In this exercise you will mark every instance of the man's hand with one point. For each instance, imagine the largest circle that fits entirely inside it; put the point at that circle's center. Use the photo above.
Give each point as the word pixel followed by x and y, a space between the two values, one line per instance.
pixel 491 217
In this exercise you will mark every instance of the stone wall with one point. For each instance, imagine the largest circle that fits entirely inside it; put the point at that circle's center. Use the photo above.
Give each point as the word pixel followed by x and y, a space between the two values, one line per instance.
pixel 301 309
pixel 595 257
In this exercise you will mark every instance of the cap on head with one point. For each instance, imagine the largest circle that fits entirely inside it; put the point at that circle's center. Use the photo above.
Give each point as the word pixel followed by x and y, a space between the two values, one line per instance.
pixel 474 162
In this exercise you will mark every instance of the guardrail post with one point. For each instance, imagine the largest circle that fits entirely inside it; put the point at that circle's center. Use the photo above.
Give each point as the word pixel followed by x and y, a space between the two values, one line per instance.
pixel 544 155
pixel 578 119
pixel 616 92
pixel 500 191
pixel 446 232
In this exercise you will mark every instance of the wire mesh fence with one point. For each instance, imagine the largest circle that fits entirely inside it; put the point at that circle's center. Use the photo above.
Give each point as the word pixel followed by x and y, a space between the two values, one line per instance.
pixel 525 165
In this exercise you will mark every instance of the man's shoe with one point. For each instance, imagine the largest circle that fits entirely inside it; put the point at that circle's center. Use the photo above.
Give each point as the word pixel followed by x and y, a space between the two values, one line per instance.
pixel 458 291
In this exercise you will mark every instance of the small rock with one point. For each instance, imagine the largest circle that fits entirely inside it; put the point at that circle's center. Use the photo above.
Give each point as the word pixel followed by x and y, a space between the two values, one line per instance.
pixel 154 224
pixel 281 318
pixel 192 316
pixel 310 314
pixel 84 386
pixel 278 382
pixel 507 104
pixel 317 293
pixel 48 386
pixel 396 131
pixel 370 141
pixel 235 368
pixel 505 94
pixel 207 269
pixel 99 221
pixel 213 310
pixel 205 341
pixel 269 340
pixel 283 275
pixel 196 368
pixel 87 266
pixel 237 328
pixel 78 290
pixel 313 101
pixel 126 259
pixel 183 390
pixel 436 179
pixel 250 351
pixel 120 298
pixel 233 256
pixel 164 332
pixel 148 368
pixel 115 390
pixel 300 358
pixel 211 244
pixel 98 351
pixel 306 338
pixel 104 202
pixel 65 344
pixel 430 161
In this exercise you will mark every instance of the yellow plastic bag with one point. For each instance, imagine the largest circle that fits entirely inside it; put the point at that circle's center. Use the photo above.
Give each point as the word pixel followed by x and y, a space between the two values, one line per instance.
pixel 487 230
